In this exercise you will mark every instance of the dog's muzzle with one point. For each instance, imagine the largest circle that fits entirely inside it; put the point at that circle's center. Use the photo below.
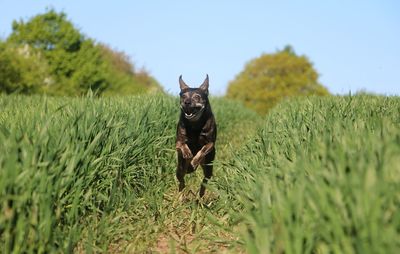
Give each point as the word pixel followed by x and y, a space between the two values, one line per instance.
pixel 193 113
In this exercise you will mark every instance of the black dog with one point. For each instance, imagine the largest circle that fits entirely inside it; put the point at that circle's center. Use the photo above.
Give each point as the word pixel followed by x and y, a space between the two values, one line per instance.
pixel 196 133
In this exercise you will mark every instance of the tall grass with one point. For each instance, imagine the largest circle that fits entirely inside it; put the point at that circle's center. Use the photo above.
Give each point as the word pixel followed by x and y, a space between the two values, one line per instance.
pixel 86 175
pixel 321 176
pixel 64 161
pixel 89 174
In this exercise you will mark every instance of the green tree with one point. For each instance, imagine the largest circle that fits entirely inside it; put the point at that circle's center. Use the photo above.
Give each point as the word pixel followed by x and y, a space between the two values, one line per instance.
pixel 271 78
pixel 73 63
pixel 126 79
pixel 22 70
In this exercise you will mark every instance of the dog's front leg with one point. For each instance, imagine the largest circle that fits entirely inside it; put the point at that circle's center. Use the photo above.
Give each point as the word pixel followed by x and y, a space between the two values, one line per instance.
pixel 181 171
pixel 184 154
pixel 199 157
pixel 184 150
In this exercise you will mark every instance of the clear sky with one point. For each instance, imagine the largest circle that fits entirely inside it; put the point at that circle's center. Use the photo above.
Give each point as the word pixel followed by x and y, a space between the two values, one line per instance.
pixel 354 45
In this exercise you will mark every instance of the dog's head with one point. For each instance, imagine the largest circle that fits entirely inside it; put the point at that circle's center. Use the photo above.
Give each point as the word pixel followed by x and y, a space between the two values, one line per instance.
pixel 193 100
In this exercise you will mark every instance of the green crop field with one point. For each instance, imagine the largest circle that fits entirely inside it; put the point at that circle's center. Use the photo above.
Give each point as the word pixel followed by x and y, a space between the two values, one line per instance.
pixel 97 175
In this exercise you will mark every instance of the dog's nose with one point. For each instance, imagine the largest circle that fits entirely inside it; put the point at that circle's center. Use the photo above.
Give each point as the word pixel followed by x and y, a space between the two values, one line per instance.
pixel 187 102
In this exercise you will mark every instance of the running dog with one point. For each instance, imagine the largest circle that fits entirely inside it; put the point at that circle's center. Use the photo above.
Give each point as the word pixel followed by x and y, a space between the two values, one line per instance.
pixel 196 133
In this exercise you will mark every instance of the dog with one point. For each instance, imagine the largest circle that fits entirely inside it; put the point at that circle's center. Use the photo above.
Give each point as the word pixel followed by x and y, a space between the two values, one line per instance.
pixel 196 133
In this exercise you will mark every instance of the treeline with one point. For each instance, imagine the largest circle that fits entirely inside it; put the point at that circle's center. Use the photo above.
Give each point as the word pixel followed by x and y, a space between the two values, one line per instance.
pixel 48 54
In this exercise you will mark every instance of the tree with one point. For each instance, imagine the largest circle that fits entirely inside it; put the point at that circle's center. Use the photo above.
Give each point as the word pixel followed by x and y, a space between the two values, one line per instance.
pixel 73 63
pixel 22 70
pixel 126 79
pixel 270 78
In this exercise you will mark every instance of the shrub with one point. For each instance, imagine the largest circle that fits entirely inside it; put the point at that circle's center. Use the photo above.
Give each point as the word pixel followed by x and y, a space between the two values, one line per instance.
pixel 271 78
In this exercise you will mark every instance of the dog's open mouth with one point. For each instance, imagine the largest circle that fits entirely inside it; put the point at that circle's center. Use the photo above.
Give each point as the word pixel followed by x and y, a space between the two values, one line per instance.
pixel 192 112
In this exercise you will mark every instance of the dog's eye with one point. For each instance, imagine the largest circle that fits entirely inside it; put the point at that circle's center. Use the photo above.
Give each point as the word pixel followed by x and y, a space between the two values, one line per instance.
pixel 196 97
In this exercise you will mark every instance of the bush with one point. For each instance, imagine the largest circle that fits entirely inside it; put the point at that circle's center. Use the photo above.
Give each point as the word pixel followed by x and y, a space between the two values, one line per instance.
pixel 271 78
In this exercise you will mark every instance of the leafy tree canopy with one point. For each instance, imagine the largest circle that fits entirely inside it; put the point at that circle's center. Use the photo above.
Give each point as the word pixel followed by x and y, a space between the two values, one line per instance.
pixel 64 61
pixel 271 78
pixel 49 31
pixel 21 71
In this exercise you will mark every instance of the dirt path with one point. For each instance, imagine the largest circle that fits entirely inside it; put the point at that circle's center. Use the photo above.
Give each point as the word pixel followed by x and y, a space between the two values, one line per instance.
pixel 188 228
pixel 189 225
pixel 184 223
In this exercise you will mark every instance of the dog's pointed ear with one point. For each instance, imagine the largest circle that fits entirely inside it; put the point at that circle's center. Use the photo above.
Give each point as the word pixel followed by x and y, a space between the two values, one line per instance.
pixel 182 83
pixel 204 86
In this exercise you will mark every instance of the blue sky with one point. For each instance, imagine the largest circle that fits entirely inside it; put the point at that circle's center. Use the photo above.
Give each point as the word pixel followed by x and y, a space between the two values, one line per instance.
pixel 354 45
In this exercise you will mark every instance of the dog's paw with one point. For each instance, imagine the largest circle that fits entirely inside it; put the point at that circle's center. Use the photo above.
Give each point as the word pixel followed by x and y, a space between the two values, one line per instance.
pixel 186 153
pixel 196 161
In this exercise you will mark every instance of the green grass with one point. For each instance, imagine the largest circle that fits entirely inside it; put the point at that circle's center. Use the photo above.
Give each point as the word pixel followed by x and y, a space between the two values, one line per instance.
pixel 90 175
pixel 70 162
pixel 321 176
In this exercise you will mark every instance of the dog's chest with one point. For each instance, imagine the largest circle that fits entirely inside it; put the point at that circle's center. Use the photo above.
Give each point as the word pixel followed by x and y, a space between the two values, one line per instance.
pixel 195 139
